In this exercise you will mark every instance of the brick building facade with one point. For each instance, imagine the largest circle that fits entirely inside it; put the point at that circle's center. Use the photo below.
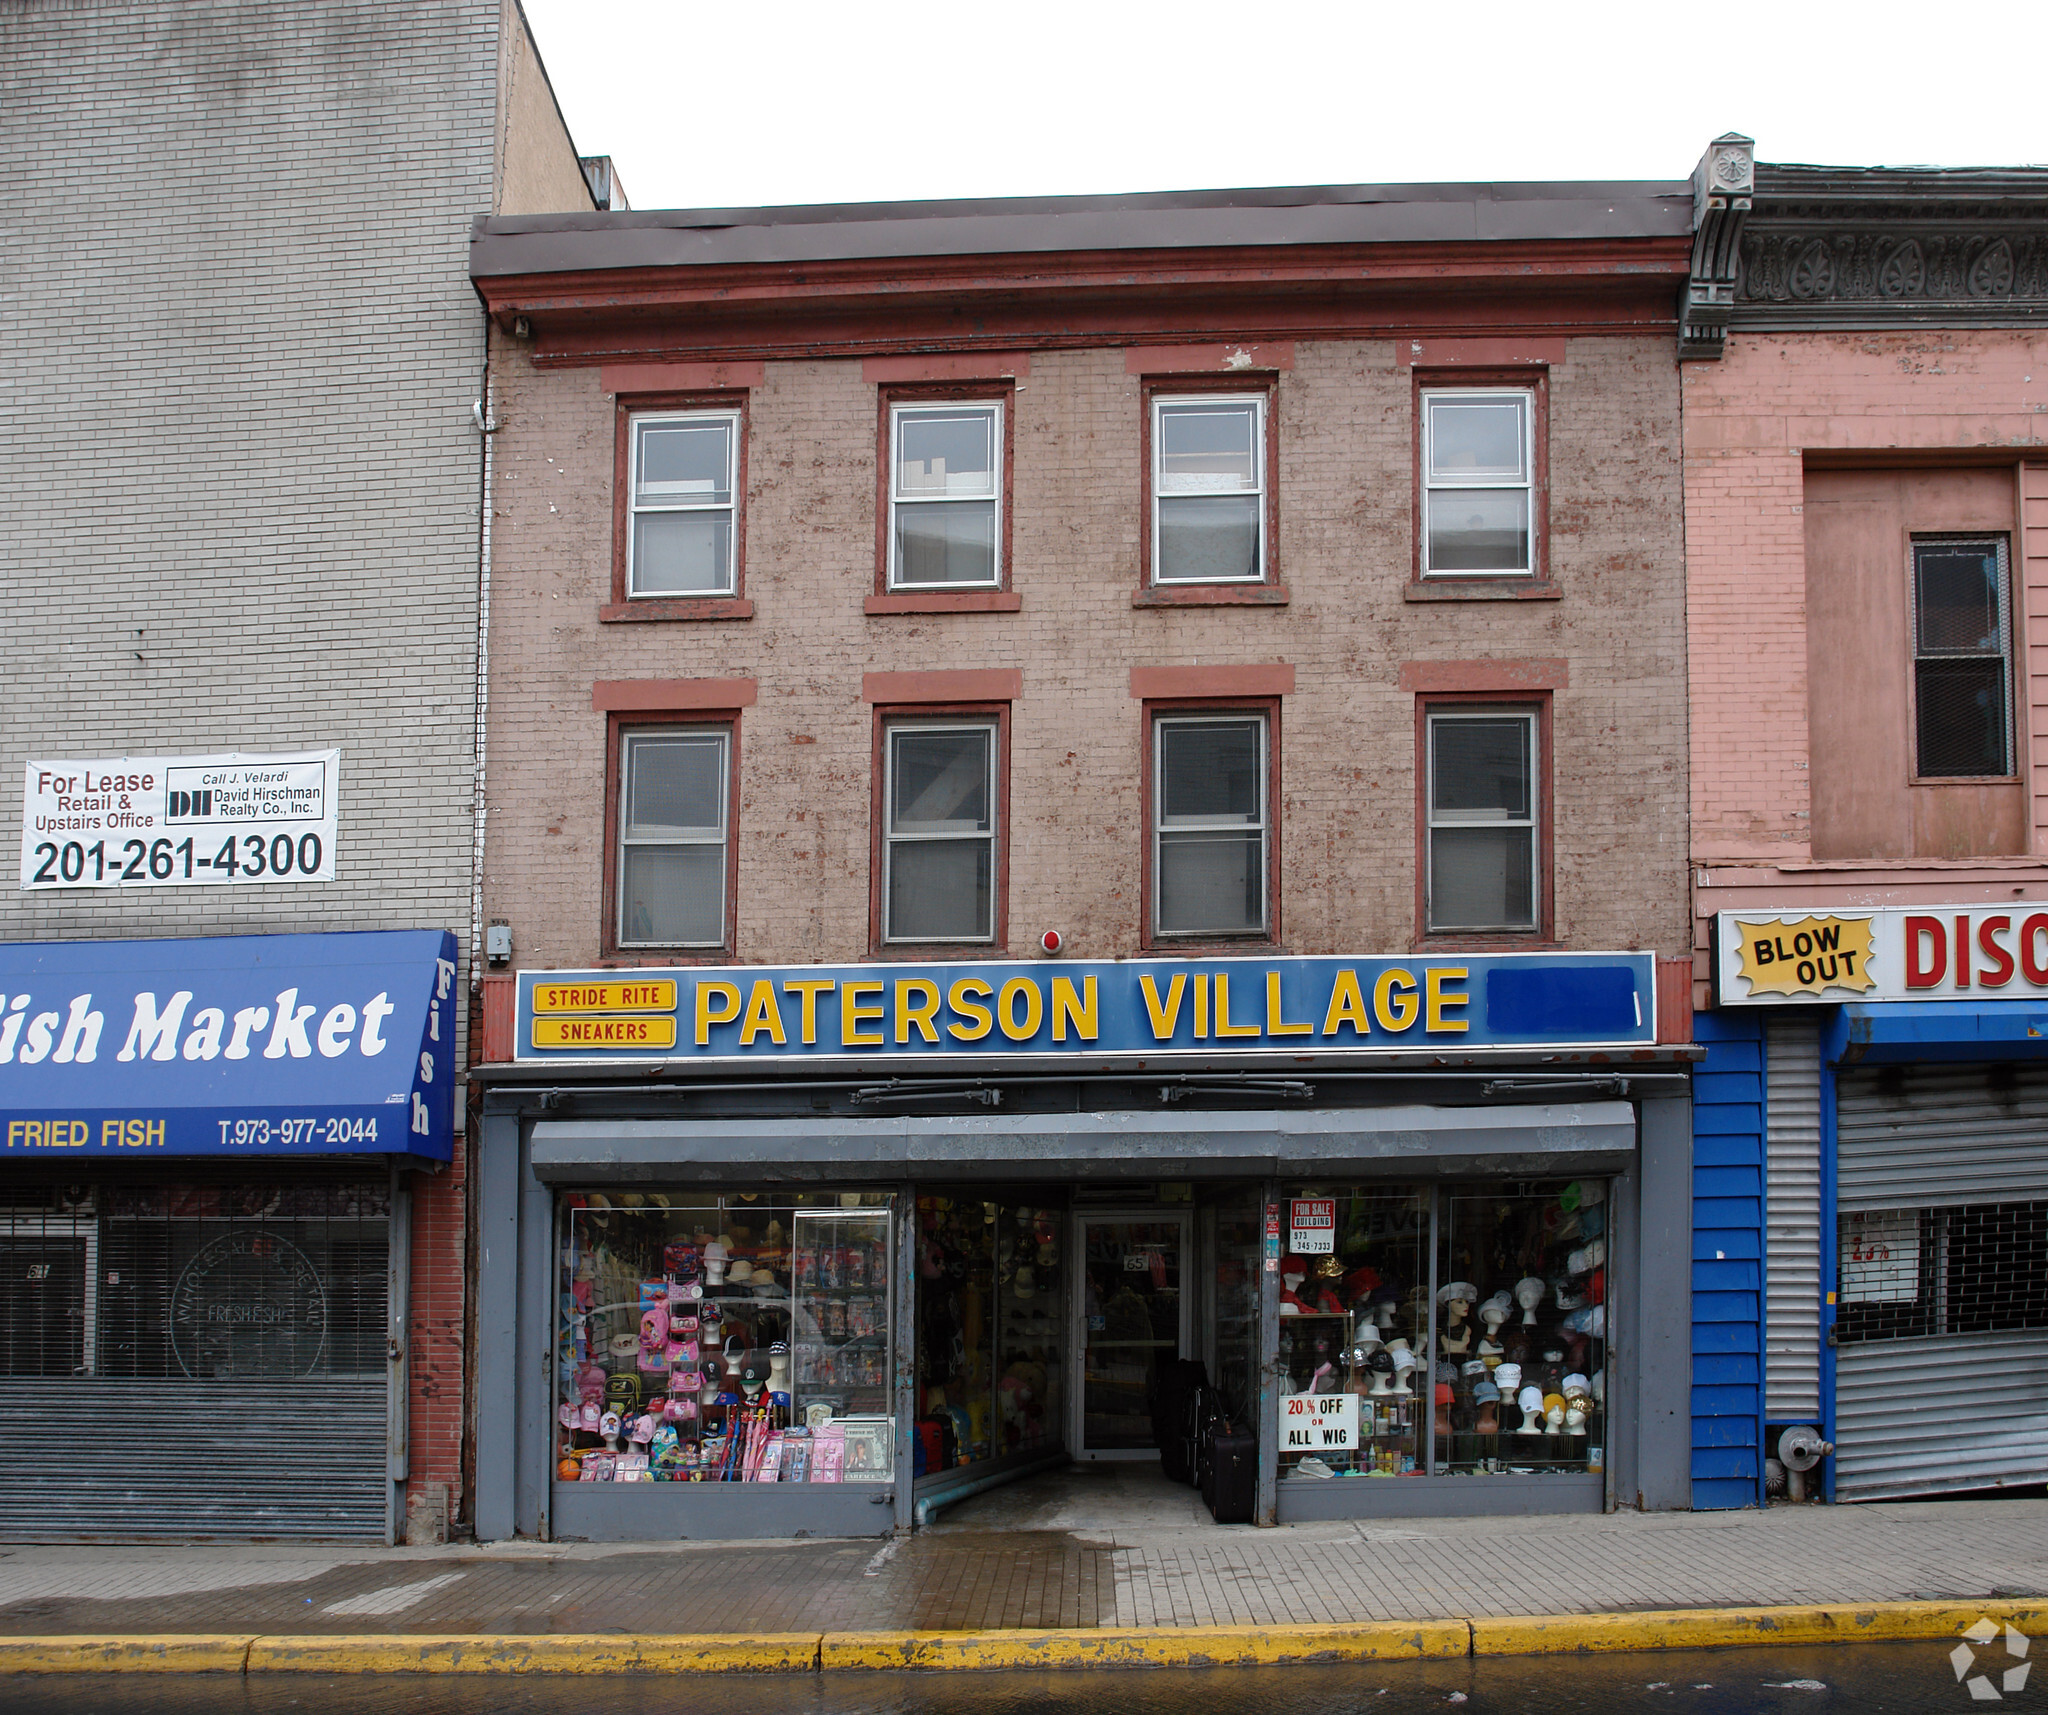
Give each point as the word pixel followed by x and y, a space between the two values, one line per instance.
pixel 1095 361
pixel 1867 531
pixel 242 516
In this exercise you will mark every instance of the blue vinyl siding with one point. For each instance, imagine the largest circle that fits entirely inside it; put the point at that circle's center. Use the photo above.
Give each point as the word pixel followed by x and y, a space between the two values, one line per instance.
pixel 1727 1268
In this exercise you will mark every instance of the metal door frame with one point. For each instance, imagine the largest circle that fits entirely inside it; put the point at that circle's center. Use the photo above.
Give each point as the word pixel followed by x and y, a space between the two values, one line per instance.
pixel 1179 1215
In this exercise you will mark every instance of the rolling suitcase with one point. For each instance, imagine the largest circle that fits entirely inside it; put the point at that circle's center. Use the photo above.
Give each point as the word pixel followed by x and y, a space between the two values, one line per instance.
pixel 1233 1472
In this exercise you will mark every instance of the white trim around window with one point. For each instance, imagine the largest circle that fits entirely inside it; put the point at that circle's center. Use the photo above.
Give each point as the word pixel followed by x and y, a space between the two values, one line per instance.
pixel 1483 801
pixel 674 836
pixel 946 494
pixel 1479 482
pixel 1208 488
pixel 682 511
pixel 940 805
pixel 1211 824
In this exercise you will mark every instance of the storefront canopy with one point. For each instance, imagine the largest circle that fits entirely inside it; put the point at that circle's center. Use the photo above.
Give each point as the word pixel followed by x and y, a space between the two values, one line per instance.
pixel 1561 1137
pixel 248 1045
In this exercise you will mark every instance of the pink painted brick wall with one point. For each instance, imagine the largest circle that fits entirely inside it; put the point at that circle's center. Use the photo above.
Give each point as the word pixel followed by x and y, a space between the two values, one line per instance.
pixel 1749 421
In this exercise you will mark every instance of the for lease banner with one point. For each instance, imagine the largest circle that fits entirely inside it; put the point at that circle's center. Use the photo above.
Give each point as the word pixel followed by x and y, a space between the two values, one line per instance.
pixel 1936 952
pixel 180 821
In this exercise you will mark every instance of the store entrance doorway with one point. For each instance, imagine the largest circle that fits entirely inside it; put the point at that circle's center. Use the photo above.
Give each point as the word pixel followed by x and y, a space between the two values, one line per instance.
pixel 1132 1318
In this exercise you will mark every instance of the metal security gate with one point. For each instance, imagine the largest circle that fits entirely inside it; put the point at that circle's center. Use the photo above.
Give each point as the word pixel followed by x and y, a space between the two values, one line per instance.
pixel 1792 1186
pixel 203 1356
pixel 159 1460
pixel 1941 1375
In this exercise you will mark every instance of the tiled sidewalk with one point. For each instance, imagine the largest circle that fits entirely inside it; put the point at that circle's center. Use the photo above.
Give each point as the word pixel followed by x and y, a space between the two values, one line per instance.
pixel 1119 1571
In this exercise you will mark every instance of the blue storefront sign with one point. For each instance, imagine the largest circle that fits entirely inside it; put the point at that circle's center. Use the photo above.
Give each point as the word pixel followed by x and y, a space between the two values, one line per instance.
pixel 248 1045
pixel 975 1010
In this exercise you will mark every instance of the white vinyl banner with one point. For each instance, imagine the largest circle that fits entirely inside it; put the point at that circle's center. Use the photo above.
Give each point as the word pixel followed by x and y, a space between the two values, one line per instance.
pixel 180 821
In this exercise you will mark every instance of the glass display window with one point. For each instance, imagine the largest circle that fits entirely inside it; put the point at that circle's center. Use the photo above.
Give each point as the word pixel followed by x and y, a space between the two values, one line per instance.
pixel 991 1299
pixel 1522 1327
pixel 1450 1330
pixel 1354 1332
pixel 725 1337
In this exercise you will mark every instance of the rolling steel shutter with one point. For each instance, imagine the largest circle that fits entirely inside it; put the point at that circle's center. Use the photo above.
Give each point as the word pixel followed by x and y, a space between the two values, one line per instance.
pixel 1941 1373
pixel 169 1460
pixel 1917 1137
pixel 1792 1255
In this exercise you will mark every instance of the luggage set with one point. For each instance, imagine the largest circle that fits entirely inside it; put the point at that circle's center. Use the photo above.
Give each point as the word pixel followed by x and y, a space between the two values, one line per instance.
pixel 1200 1443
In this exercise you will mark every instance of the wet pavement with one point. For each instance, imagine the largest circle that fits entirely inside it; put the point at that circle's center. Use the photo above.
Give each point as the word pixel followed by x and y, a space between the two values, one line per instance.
pixel 1879 1678
pixel 1093 1546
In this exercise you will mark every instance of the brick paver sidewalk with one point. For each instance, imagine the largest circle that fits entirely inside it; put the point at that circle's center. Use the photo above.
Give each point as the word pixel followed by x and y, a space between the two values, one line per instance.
pixel 965 1576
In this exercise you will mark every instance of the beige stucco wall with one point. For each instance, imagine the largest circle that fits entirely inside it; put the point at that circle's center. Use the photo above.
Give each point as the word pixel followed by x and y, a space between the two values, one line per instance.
pixel 537 170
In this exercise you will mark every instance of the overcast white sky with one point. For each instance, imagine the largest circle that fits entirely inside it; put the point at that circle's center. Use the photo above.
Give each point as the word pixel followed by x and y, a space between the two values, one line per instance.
pixel 706 105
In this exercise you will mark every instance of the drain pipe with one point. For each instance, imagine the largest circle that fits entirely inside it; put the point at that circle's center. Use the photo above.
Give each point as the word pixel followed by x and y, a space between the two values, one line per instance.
pixel 487 427
pixel 930 1507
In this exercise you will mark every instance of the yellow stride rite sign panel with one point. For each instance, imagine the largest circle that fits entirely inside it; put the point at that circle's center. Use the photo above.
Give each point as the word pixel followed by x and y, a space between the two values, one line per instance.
pixel 978 1009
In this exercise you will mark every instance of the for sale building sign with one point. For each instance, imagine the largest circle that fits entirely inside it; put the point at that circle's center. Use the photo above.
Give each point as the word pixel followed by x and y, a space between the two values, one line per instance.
pixel 180 821
pixel 1312 1226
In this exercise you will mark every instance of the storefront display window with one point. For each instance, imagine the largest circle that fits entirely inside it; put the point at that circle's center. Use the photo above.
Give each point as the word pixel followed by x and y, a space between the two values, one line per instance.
pixel 1522 1328
pixel 736 1337
pixel 990 1319
pixel 1459 1330
pixel 1354 1330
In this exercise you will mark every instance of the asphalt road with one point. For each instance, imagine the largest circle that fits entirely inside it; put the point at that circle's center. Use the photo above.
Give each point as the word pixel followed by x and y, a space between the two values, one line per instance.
pixel 1871 1677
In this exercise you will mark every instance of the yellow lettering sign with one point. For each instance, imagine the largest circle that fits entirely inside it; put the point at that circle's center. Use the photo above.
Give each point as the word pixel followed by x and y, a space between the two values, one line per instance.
pixel 1077 1009
pixel 606 1032
pixel 1808 955
pixel 656 994
pixel 717 1003
pixel 1347 1005
pixel 1163 1015
pixel 1393 999
pixel 1437 997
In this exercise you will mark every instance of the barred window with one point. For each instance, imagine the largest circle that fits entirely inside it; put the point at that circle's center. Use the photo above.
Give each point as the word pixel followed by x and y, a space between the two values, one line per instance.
pixel 1917 1273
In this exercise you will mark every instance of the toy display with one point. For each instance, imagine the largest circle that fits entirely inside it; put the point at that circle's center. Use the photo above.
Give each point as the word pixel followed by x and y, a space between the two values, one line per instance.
pixel 713 1339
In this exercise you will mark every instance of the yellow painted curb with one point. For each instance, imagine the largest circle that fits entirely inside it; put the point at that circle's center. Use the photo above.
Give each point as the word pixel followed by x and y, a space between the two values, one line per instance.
pixel 1190 1646
pixel 192 1652
pixel 567 1652
pixel 1719 1628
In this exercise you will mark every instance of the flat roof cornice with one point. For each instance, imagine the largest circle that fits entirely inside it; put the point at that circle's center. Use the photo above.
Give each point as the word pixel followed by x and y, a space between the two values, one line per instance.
pixel 1167 223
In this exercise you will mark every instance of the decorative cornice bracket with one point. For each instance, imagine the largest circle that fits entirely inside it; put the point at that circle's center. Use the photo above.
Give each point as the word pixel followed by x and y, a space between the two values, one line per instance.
pixel 1723 190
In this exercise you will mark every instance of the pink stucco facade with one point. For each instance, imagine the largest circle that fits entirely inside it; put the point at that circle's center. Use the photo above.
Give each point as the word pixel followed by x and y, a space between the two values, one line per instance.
pixel 1774 418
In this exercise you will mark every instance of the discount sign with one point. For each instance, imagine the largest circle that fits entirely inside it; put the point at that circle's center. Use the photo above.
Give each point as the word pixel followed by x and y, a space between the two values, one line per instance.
pixel 180 821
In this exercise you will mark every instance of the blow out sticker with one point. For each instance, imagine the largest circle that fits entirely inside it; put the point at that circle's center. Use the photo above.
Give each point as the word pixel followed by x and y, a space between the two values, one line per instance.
pixel 1808 956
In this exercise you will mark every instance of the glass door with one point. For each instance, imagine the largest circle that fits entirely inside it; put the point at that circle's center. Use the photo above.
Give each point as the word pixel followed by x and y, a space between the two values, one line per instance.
pixel 1131 1322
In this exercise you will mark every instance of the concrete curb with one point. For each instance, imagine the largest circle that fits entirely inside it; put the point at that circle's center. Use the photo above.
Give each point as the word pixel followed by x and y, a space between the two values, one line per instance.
pixel 1040 1651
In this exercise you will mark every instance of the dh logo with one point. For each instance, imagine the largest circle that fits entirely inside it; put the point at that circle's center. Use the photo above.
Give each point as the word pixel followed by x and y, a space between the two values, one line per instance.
pixel 188 806
pixel 1962 1658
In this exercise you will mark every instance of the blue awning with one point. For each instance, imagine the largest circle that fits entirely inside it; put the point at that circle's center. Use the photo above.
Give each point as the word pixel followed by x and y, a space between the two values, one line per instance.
pixel 1899 1032
pixel 244 1045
